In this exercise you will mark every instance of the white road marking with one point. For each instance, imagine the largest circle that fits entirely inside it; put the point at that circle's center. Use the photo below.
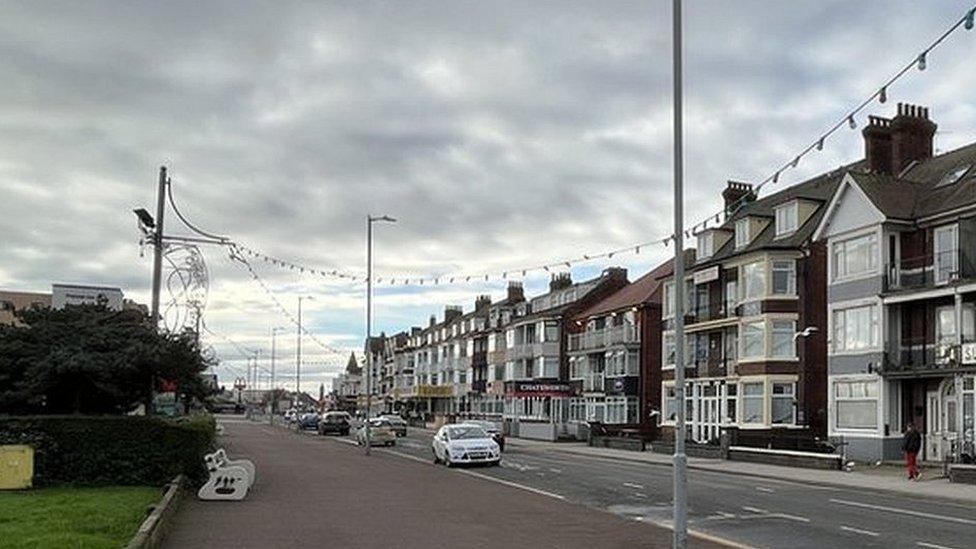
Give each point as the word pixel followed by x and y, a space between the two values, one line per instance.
pixel 639 495
pixel 703 536
pixel 756 510
pixel 904 511
pixel 931 545
pixel 513 484
pixel 762 513
pixel 557 471
pixel 632 485
pixel 764 489
pixel 791 517
pixel 859 531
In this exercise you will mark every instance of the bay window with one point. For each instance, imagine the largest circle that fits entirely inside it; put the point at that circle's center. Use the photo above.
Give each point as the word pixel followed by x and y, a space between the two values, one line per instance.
pixel 857 404
pixel 856 328
pixel 621 410
pixel 783 405
pixel 753 401
pixel 784 277
pixel 783 343
pixel 753 280
pixel 855 256
pixel 753 339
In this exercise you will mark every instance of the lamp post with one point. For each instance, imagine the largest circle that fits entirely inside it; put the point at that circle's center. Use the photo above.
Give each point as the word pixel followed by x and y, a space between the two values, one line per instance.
pixel 679 515
pixel 298 352
pixel 274 392
pixel 369 314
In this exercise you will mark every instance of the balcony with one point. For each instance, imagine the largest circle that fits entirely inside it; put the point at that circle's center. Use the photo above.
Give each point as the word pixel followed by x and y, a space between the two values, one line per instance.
pixel 924 271
pixel 532 350
pixel 921 358
pixel 479 386
pixel 598 339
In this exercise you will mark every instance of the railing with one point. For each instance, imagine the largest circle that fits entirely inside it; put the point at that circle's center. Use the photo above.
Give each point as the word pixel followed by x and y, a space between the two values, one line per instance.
pixel 923 271
pixel 596 339
pixel 922 357
pixel 531 350
pixel 479 386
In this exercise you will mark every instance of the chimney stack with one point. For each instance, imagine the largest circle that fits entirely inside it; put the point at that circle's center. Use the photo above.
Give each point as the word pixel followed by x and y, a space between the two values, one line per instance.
pixel 733 193
pixel 615 273
pixel 482 302
pixel 891 145
pixel 515 292
pixel 560 281
pixel 451 312
pixel 433 320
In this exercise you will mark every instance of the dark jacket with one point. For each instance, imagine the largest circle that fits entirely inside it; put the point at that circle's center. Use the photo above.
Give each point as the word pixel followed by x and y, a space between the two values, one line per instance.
pixel 912 442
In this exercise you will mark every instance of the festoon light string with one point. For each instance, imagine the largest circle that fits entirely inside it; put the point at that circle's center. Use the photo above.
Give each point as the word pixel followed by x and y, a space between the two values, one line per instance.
pixel 849 119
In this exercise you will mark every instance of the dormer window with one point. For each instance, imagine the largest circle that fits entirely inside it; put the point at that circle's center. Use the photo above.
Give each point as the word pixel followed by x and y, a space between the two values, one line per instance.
pixel 787 216
pixel 742 232
pixel 705 245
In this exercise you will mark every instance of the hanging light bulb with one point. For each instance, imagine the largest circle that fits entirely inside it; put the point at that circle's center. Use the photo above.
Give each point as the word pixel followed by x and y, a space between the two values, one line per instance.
pixel 850 122
pixel 820 144
pixel 775 177
pixel 921 61
pixel 970 17
pixel 795 162
pixel 883 95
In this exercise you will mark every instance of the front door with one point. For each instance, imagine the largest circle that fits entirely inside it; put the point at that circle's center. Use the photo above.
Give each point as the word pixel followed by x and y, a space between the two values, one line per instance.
pixel 933 426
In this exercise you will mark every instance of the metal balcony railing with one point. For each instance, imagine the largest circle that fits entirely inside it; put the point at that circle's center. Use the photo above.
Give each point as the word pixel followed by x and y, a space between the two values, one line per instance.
pixel 532 350
pixel 597 339
pixel 922 357
pixel 923 271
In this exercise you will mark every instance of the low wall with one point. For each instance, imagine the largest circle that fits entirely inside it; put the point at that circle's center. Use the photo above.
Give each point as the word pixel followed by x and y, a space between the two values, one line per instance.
pixel 788 458
pixel 962 473
pixel 619 443
pixel 706 451
pixel 537 431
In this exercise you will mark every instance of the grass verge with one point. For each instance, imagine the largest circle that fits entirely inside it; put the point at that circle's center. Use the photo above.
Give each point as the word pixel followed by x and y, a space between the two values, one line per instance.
pixel 77 517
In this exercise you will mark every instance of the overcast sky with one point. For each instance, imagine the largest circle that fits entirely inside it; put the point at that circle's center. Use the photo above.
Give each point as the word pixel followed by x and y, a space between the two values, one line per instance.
pixel 499 134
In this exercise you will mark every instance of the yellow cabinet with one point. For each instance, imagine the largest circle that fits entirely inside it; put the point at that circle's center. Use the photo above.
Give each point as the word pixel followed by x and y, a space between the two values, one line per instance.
pixel 16 467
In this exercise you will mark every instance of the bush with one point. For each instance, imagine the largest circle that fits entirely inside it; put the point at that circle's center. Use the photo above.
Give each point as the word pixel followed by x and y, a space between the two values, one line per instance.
pixel 95 450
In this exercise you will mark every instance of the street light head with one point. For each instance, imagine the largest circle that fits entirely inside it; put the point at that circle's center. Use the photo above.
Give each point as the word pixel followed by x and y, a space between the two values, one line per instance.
pixel 145 218
pixel 386 218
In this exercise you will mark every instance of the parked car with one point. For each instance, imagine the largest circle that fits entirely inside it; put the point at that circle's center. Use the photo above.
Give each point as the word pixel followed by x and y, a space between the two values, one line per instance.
pixel 380 433
pixel 398 423
pixel 458 444
pixel 492 429
pixel 309 420
pixel 334 422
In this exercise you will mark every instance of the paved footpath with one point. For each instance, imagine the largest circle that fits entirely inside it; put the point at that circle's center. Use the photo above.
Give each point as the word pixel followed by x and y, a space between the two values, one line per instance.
pixel 312 492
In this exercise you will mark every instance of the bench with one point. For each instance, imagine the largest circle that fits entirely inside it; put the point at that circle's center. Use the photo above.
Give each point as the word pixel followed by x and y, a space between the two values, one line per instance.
pixel 230 479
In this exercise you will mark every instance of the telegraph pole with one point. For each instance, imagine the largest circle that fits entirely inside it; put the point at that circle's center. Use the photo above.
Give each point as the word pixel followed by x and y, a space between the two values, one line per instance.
pixel 680 459
pixel 157 271
pixel 298 353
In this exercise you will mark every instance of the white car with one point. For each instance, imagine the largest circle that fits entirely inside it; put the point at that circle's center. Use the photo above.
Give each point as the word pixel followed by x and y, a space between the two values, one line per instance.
pixel 463 444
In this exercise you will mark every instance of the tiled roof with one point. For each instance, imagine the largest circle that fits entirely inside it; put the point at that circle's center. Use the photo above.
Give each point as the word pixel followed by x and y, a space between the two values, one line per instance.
pixel 645 289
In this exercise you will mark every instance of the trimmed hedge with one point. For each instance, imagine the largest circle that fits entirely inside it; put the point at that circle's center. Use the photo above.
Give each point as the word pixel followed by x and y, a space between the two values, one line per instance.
pixel 96 450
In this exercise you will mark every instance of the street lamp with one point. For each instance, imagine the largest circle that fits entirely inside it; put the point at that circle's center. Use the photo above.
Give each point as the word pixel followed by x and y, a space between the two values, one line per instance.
pixel 298 353
pixel 369 313
pixel 274 393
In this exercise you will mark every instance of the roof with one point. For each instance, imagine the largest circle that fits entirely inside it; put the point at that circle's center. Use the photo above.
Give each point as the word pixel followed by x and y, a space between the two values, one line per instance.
pixel 894 197
pixel 645 289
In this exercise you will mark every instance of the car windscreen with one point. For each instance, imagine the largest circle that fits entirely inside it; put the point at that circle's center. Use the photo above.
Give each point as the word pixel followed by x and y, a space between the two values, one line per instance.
pixel 379 423
pixel 463 432
pixel 335 419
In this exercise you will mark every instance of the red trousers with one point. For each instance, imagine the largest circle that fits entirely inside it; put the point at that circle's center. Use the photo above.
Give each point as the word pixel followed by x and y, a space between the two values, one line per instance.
pixel 912 464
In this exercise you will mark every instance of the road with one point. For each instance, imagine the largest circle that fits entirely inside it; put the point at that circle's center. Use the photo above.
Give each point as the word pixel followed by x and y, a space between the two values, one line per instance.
pixel 748 510
pixel 312 491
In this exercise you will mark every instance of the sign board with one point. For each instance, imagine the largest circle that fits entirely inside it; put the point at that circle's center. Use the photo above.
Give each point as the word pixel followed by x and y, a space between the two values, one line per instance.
pixel 706 275
pixel 969 353
pixel 540 389
pixel 68 294
pixel 435 390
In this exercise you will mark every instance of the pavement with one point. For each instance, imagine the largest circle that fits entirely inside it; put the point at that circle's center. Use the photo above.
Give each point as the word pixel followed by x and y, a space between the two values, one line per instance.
pixel 749 504
pixel 314 491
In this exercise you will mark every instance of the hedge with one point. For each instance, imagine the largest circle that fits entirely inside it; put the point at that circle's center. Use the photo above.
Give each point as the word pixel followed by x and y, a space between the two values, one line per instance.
pixel 94 450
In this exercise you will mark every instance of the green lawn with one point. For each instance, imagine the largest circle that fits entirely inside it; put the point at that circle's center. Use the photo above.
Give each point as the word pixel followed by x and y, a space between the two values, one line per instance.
pixel 73 517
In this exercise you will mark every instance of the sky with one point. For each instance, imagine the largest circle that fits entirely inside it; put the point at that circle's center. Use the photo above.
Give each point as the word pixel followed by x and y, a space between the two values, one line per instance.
pixel 499 134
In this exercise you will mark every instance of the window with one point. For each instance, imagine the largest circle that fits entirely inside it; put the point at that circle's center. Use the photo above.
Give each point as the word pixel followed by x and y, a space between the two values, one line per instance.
pixel 669 403
pixel 787 218
pixel 577 409
pixel 731 297
pixel 784 277
pixel 784 405
pixel 731 344
pixel 856 256
pixel 669 349
pixel 783 344
pixel 552 331
pixel 753 280
pixel 621 410
pixel 753 339
pixel 946 256
pixel 741 232
pixel 705 241
pixel 730 402
pixel 856 328
pixel 953 176
pixel 857 404
pixel 668 299
pixel 753 395
pixel 945 324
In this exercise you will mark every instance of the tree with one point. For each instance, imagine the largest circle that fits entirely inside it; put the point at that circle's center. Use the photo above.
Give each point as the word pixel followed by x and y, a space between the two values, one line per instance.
pixel 88 359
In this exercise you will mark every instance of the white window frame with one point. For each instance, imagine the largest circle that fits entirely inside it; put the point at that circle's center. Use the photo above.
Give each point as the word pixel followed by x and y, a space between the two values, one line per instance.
pixel 939 255
pixel 743 356
pixel 789 267
pixel 744 397
pixel 706 243
pixel 783 225
pixel 669 299
pixel 743 287
pixel 773 397
pixel 839 252
pixel 839 346
pixel 834 400
pixel 742 233
pixel 790 332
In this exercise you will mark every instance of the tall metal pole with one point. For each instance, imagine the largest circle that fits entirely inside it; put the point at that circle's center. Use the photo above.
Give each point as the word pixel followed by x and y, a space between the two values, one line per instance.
pixel 274 393
pixel 157 270
pixel 298 354
pixel 369 323
pixel 680 459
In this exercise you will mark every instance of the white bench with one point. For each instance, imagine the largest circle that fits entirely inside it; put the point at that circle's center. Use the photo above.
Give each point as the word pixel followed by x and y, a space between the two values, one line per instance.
pixel 229 479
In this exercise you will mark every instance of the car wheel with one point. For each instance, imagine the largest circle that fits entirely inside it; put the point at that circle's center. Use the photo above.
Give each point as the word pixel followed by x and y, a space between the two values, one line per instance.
pixel 447 460
pixel 436 459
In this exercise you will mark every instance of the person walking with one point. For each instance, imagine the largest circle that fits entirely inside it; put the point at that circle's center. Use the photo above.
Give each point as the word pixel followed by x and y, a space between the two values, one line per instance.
pixel 911 444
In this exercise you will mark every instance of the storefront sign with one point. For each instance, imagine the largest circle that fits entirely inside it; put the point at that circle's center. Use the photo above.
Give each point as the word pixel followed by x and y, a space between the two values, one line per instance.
pixel 707 275
pixel 969 353
pixel 435 390
pixel 541 389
